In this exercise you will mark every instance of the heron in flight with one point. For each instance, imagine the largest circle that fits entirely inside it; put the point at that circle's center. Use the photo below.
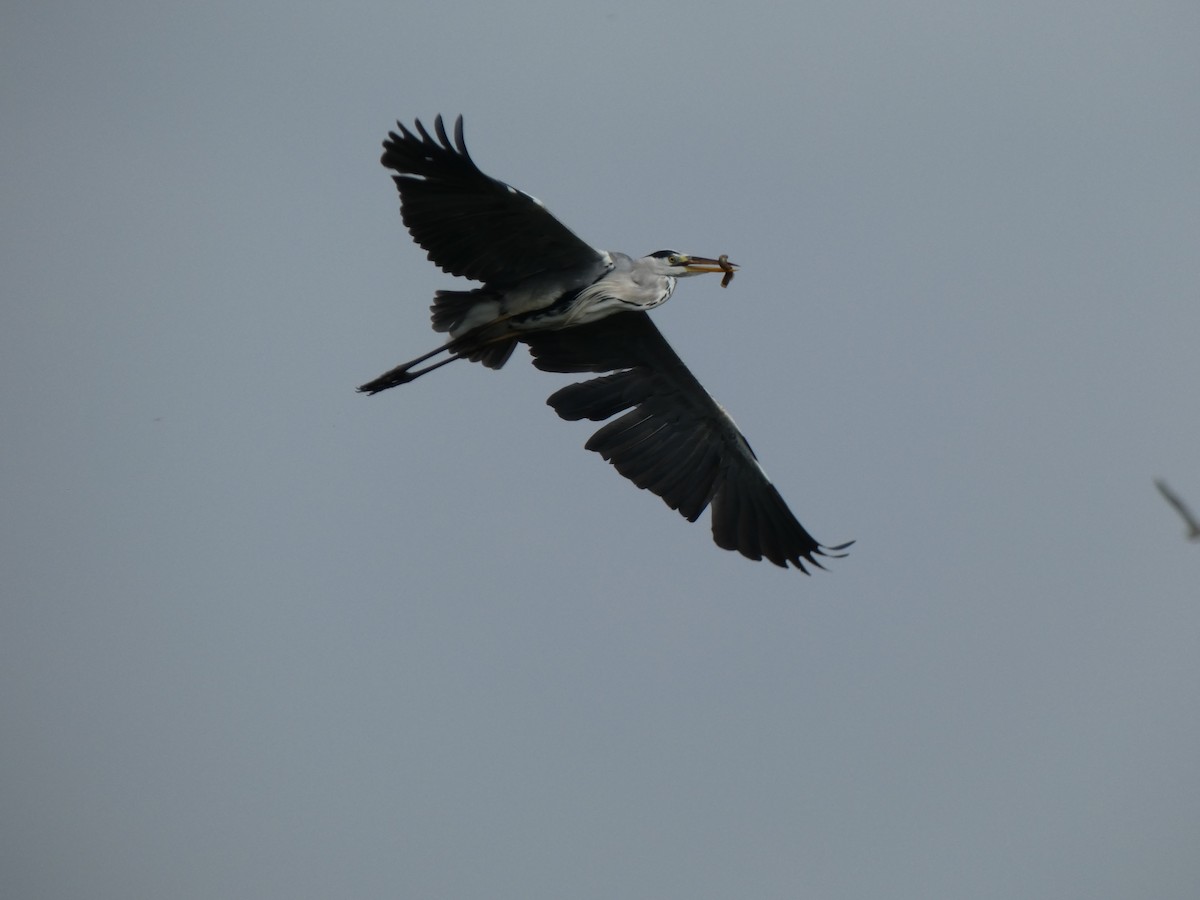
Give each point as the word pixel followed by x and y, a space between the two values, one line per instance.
pixel 580 309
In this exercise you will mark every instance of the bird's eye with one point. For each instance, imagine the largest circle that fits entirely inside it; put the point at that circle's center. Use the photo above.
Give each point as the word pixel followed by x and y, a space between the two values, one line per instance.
pixel 675 259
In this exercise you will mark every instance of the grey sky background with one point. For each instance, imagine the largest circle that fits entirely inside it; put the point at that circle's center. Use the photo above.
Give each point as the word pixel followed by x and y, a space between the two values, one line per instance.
pixel 261 637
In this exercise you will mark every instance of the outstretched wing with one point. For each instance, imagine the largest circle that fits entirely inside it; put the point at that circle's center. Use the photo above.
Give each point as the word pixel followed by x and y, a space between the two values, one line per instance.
pixel 675 440
pixel 473 225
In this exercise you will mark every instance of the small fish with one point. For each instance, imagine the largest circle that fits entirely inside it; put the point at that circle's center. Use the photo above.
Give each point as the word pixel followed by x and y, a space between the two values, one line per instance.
pixel 727 267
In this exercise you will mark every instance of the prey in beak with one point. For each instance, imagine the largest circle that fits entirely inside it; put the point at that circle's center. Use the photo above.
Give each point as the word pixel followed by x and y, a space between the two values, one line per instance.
pixel 697 265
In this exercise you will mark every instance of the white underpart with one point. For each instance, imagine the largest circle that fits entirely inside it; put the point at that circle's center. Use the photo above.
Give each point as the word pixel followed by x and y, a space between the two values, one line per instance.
pixel 618 293
pixel 482 313
pixel 529 296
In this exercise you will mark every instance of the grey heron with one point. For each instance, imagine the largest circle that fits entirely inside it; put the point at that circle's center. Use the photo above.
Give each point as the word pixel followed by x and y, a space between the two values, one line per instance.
pixel 580 309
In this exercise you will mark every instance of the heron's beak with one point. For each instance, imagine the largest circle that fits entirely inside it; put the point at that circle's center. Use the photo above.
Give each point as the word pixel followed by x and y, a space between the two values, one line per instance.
pixel 697 265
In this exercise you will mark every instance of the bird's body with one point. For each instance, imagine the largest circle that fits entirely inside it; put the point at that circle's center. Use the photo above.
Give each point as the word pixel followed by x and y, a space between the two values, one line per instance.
pixel 557 300
pixel 583 310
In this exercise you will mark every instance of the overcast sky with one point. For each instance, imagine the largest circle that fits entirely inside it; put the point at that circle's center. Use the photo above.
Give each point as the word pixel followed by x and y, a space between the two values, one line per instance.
pixel 262 637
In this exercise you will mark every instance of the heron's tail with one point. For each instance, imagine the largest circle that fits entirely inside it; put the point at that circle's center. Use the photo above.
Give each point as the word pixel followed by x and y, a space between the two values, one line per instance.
pixel 458 312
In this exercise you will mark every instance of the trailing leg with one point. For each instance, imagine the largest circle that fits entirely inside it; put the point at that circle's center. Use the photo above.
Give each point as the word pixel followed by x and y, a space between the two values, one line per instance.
pixel 491 345
pixel 406 372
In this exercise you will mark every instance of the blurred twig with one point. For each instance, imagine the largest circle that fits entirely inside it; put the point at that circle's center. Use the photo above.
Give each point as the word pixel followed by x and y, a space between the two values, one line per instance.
pixel 1193 526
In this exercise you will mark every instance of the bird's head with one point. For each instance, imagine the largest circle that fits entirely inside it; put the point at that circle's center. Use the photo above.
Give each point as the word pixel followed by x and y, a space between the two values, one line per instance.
pixel 681 265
